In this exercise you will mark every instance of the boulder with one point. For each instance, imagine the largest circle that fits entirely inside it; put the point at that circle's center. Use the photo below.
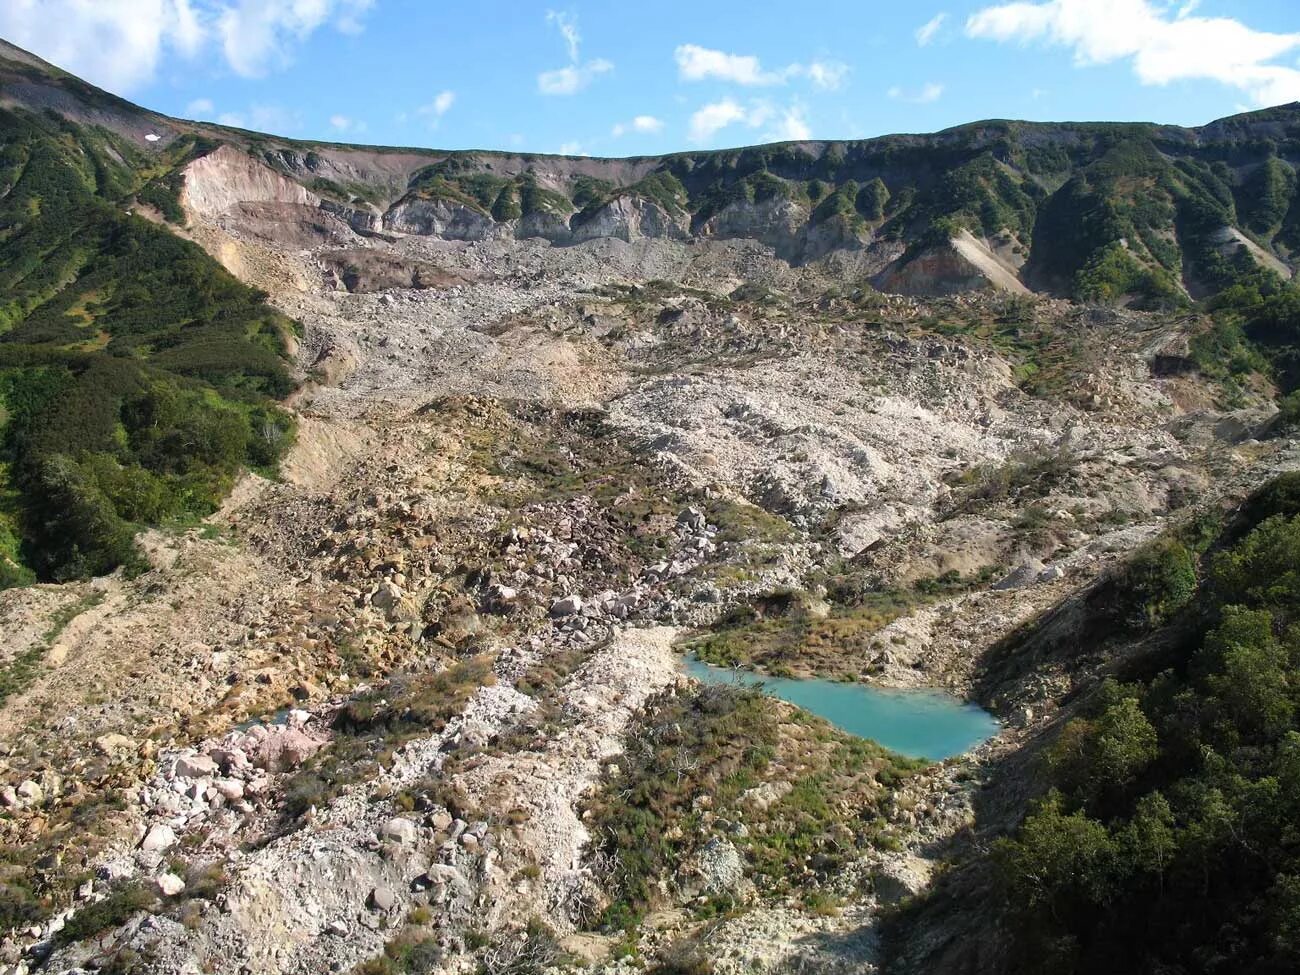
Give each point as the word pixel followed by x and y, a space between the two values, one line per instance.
pixel 285 750
pixel 568 606
pixel 1025 574
pixel 400 830
pixel 692 518
pixel 386 596
pixel 169 885
pixel 160 837
pixel 30 793
pixel 110 745
pixel 899 876
pixel 382 899
pixel 195 767
pixel 716 868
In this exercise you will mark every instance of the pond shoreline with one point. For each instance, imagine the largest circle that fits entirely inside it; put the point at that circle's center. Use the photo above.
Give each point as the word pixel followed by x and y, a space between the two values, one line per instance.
pixel 919 723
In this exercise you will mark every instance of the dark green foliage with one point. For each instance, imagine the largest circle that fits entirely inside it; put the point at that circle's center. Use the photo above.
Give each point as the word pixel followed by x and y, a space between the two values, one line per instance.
pixel 663 188
pixel 164 195
pixel 1158 582
pixel 872 199
pixel 1267 195
pixel 122 903
pixel 135 373
pixel 1169 843
pixel 507 205
pixel 842 203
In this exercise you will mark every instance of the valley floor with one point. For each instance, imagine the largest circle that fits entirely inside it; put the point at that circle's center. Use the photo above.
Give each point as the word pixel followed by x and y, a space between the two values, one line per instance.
pixel 396 709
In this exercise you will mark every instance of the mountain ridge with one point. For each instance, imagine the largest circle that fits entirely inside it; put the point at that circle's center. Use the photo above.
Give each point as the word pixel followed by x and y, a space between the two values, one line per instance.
pixel 1161 210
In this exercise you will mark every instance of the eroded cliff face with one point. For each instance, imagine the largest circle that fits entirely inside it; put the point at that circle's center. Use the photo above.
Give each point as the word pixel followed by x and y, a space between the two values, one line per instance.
pixel 438 218
pixel 964 263
pixel 226 177
pixel 628 218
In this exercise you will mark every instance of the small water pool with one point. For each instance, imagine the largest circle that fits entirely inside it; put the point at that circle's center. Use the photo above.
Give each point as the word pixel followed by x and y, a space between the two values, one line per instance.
pixel 919 724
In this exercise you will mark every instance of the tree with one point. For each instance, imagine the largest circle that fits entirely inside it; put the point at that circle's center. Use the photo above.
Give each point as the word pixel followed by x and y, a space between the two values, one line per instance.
pixel 1250 673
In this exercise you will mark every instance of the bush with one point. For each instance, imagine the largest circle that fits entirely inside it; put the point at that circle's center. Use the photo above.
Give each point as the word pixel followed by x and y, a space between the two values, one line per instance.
pixel 1158 581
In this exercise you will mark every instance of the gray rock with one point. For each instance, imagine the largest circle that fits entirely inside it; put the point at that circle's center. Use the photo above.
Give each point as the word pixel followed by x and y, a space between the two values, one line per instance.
pixel 160 837
pixel 400 830
pixel 568 606
pixel 1025 574
pixel 716 868
pixel 387 596
pixel 169 885
pixel 692 518
pixel 382 899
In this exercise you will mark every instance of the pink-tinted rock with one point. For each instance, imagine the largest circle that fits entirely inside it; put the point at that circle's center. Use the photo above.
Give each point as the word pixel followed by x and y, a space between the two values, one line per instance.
pixel 286 749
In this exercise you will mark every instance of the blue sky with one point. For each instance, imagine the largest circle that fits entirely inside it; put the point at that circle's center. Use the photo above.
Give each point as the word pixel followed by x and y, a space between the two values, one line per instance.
pixel 622 78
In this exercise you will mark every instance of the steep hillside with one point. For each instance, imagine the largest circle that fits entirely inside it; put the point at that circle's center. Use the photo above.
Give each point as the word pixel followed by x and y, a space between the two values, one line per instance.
pixel 136 375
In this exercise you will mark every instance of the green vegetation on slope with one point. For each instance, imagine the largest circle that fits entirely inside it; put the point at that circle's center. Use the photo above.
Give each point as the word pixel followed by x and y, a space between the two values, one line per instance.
pixel 686 772
pixel 1168 840
pixel 137 377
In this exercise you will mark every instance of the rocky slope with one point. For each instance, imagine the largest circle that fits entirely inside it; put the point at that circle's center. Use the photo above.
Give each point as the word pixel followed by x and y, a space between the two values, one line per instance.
pixel 378 714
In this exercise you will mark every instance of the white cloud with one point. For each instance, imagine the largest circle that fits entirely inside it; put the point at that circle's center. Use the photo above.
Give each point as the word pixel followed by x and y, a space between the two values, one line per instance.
pixel 788 123
pixel 714 117
pixel 695 63
pixel 200 108
pixel 929 92
pixel 119 44
pixel 567 24
pixel 575 75
pixel 791 127
pixel 113 43
pixel 827 75
pixel 926 32
pixel 571 149
pixel 435 109
pixel 257 35
pixel 1162 50
pixel 341 123
pixel 642 123
pixel 263 118
pixel 572 79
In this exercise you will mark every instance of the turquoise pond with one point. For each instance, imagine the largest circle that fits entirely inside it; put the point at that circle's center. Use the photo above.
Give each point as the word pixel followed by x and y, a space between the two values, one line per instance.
pixel 919 724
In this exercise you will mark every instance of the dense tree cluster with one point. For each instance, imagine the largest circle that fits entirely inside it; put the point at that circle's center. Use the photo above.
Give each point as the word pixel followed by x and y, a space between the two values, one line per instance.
pixel 137 377
pixel 1168 841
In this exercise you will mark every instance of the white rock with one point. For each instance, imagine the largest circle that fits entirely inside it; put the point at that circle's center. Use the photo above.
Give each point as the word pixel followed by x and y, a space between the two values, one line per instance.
pixel 400 830
pixel 195 767
pixel 160 837
pixel 169 884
